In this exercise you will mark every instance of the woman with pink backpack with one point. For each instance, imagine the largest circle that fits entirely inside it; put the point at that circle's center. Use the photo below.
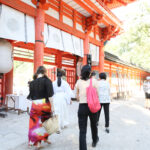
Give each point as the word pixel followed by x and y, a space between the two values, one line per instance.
pixel 87 95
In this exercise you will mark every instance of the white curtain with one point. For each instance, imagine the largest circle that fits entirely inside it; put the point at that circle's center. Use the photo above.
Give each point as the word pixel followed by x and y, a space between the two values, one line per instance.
pixel 54 38
pixel 12 24
pixel 77 46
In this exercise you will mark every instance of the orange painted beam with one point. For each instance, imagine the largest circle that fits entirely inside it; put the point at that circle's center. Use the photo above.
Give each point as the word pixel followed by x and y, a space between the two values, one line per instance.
pixel 79 2
pixel 74 18
pixel 60 11
pixel 54 22
pixel 31 60
pixel 23 59
pixel 95 42
pixel 23 45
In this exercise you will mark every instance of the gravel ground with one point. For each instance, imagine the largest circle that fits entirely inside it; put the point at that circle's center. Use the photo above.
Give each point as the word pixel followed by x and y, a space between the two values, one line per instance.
pixel 129 129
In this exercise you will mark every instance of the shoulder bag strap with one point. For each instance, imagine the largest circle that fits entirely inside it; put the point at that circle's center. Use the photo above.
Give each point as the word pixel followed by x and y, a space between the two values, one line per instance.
pixel 91 82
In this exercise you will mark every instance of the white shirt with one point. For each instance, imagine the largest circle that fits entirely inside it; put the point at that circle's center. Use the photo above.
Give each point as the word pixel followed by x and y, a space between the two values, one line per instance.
pixel 104 91
pixel 64 88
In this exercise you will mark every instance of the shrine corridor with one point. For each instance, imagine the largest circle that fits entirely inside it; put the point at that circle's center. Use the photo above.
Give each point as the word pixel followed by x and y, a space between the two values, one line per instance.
pixel 129 129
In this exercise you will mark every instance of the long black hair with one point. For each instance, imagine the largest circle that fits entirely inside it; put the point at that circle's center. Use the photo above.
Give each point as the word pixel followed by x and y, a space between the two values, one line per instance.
pixel 59 75
pixel 85 72
pixel 40 70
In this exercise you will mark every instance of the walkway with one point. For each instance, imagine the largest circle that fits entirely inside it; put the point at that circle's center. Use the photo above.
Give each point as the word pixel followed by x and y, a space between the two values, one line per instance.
pixel 129 129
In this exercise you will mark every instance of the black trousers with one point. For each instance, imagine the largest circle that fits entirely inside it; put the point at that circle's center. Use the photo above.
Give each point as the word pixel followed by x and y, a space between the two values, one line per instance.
pixel 105 106
pixel 83 114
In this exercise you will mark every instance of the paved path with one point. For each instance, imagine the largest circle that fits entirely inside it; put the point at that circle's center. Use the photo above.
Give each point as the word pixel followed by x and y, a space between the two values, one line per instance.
pixel 129 129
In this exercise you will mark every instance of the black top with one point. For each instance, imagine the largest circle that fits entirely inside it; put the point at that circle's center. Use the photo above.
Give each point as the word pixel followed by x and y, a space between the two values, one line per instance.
pixel 40 88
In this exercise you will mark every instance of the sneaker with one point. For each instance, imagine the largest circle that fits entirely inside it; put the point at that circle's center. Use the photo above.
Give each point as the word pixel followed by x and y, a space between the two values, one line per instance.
pixel 107 130
pixel 95 143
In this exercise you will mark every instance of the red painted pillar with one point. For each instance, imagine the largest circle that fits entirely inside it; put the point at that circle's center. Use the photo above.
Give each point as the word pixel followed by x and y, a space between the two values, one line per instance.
pixel 59 60
pixel 140 80
pixel 9 82
pixel 39 38
pixel 101 58
pixel 86 48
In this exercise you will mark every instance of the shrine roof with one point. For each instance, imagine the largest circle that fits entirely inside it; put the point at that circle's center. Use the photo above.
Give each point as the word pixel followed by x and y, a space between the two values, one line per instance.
pixel 111 4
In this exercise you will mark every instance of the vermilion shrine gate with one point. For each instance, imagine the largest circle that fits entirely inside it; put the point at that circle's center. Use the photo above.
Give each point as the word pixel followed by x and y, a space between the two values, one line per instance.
pixel 57 33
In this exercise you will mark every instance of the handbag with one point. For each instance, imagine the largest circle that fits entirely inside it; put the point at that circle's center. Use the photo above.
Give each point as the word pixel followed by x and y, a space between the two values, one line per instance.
pixel 92 98
pixel 51 125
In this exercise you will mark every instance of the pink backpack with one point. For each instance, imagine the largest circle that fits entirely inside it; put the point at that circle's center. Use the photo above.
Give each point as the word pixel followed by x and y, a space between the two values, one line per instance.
pixel 92 98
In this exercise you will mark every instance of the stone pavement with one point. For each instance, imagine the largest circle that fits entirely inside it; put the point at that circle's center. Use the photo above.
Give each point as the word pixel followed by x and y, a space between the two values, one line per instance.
pixel 129 129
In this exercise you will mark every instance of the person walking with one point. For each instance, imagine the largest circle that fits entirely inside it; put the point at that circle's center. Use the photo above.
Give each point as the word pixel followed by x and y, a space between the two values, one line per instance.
pixel 146 94
pixel 40 90
pixel 83 111
pixel 104 97
pixel 146 88
pixel 62 97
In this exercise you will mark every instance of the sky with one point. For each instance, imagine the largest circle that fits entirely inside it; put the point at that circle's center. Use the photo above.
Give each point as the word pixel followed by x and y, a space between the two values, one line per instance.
pixel 123 12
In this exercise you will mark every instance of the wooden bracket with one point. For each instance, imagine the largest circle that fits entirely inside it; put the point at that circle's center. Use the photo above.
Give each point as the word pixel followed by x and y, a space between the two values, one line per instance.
pixel 92 22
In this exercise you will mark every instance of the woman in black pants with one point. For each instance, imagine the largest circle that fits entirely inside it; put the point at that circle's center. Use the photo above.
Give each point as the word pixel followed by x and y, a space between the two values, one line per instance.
pixel 104 97
pixel 84 111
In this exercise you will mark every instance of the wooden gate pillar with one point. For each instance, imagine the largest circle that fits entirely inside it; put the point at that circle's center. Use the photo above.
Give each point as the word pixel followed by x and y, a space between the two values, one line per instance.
pixel 101 58
pixel 39 37
pixel 9 82
pixel 59 60
pixel 86 49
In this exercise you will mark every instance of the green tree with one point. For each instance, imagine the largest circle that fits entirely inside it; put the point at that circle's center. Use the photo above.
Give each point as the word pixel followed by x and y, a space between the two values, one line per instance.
pixel 133 45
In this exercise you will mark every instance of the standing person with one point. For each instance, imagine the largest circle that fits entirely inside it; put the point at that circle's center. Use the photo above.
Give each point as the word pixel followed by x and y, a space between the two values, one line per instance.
pixel 41 90
pixel 104 97
pixel 62 97
pixel 146 87
pixel 83 111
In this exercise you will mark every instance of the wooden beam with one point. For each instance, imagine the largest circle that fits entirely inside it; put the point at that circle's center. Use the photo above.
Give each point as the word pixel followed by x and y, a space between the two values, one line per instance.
pixel 61 11
pixel 79 2
pixel 62 26
pixel 122 2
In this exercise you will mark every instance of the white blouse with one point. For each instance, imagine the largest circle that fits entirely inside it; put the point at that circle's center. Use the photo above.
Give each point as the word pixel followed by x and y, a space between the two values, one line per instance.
pixel 104 91
pixel 64 88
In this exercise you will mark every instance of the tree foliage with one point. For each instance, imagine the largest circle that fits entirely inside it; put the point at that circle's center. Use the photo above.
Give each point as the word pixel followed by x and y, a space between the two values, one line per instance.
pixel 133 45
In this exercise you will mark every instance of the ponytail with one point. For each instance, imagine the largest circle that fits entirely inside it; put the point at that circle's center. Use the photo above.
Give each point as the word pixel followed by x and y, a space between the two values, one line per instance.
pixel 59 75
pixel 59 81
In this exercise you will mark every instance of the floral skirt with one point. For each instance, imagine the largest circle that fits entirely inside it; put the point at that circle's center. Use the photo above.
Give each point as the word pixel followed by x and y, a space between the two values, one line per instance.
pixel 40 111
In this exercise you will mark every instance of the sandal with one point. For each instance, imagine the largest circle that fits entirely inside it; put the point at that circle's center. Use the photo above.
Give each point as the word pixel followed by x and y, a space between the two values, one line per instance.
pixel 48 142
pixel 39 146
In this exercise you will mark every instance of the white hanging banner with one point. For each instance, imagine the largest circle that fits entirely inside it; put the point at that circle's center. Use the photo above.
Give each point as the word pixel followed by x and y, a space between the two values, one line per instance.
pixel 94 51
pixel 30 29
pixel 6 61
pixel 54 38
pixel 77 46
pixel 97 53
pixel 46 33
pixel 82 49
pixel 12 24
pixel 67 42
